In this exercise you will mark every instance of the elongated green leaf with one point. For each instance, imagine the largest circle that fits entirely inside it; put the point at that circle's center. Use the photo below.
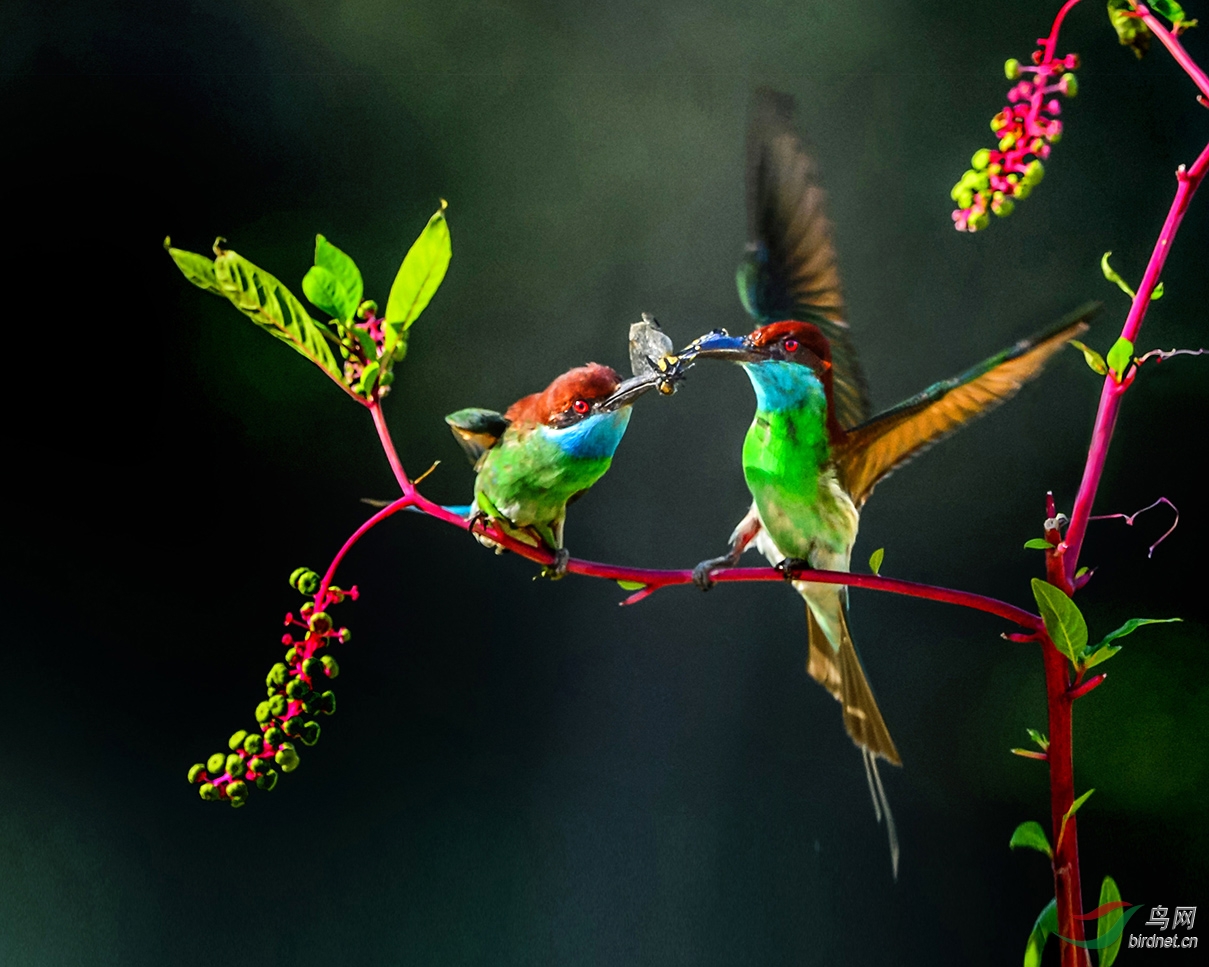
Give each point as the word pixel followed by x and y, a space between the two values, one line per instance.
pixel 1032 836
pixel 1037 544
pixel 1132 625
pixel 269 304
pixel 196 268
pixel 1062 618
pixel 418 278
pixel 1119 357
pixel 1100 655
pixel 327 256
pixel 1111 274
pixel 1109 894
pixel 1037 737
pixel 1046 924
pixel 1093 359
pixel 875 560
pixel 325 291
pixel 631 585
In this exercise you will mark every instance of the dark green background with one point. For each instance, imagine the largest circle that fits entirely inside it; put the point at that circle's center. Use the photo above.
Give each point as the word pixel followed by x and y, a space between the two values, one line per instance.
pixel 520 772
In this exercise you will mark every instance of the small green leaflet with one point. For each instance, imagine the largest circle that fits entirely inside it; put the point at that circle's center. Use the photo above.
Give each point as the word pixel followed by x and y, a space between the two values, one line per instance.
pixel 1157 294
pixel 1031 835
pixel 1063 620
pixel 327 256
pixel 1094 360
pixel 1083 570
pixel 1046 924
pixel 1119 357
pixel 1104 650
pixel 333 283
pixel 1074 808
pixel 875 560
pixel 1173 12
pixel 631 585
pixel 1038 544
pixel 1037 737
pixel 1111 274
pixel 418 278
pixel 369 376
pixel 1131 31
pixel 196 268
pixel 1105 924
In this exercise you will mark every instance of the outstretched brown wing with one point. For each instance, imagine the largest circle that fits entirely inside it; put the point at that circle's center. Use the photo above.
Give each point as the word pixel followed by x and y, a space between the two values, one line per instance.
pixel 890 439
pixel 790 271
pixel 477 430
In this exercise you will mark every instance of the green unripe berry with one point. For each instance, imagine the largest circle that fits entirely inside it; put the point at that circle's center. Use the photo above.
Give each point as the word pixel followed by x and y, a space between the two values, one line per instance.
pixel 965 199
pixel 1011 69
pixel 1070 85
pixel 291 655
pixel 287 758
pixel 297 689
pixel 1023 190
pixel 216 763
pixel 320 622
pixel 312 667
pixel 274 736
pixel 237 790
pixel 1007 142
pixel 256 764
pixel 278 675
pixel 236 740
pixel 310 733
pixel 253 744
pixel 1003 207
pixel 263 713
pixel 305 580
pixel 291 726
pixel 367 307
pixel 327 703
pixel 195 772
pixel 978 222
pixel 234 764
pixel 981 159
pixel 236 803
pixel 208 791
pixel 331 669
pixel 268 780
pixel 277 705
pixel 345 636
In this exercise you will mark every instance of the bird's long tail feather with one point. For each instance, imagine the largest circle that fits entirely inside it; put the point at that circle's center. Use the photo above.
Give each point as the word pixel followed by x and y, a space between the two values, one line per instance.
pixel 881 805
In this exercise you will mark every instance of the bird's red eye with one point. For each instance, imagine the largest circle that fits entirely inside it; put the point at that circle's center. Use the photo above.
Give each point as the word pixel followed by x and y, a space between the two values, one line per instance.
pixel 791 345
pixel 581 407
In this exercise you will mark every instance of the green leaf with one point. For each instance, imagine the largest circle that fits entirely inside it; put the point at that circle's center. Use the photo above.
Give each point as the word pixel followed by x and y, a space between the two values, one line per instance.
pixel 1119 357
pixel 1100 655
pixel 1131 31
pixel 1109 894
pixel 269 304
pixel 325 291
pixel 1074 808
pixel 1038 544
pixel 1111 275
pixel 327 256
pixel 1031 835
pixel 1102 650
pixel 1063 620
pixel 1037 737
pixel 1083 570
pixel 1046 924
pixel 196 268
pixel 1156 293
pixel 418 278
pixel 1169 9
pixel 369 376
pixel 631 585
pixel 1094 360
pixel 875 560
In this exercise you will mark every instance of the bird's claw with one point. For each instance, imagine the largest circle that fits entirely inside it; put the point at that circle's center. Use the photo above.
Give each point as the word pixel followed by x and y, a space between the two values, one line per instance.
pixel 558 570
pixel 791 564
pixel 703 571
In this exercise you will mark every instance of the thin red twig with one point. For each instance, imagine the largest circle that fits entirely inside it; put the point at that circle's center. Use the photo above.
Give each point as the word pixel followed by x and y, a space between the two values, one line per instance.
pixel 1130 518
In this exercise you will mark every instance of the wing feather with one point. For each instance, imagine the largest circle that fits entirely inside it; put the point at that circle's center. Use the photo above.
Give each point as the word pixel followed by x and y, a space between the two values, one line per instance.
pixel 875 448
pixel 477 430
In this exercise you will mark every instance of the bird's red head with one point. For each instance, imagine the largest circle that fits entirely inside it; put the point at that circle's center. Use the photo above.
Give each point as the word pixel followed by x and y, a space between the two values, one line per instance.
pixel 571 396
pixel 804 343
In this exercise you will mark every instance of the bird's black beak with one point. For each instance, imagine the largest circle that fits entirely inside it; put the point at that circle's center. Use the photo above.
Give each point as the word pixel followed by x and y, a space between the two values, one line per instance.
pixel 630 390
pixel 721 345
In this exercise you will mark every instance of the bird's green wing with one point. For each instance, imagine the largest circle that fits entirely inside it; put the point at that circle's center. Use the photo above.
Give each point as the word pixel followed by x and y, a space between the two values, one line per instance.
pixel 476 430
pixel 790 271
pixel 873 449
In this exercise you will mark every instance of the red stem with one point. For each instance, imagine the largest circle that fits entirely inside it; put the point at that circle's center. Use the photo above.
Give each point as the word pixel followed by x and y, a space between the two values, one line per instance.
pixel 1175 48
pixel 1110 396
pixel 388 445
pixel 1051 41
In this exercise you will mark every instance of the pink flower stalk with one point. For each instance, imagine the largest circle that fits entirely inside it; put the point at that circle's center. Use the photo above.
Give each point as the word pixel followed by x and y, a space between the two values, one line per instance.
pixel 293 697
pixel 1027 126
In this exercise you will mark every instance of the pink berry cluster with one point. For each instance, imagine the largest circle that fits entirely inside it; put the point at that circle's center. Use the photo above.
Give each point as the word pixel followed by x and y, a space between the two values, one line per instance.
pixel 1027 126
pixel 293 699
pixel 361 346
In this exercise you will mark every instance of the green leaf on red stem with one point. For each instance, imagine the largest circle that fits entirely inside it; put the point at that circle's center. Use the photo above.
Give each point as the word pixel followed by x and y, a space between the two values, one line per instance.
pixel 1040 739
pixel 1104 649
pixel 418 278
pixel 344 269
pixel 1093 359
pixel 1064 621
pixel 631 585
pixel 1046 924
pixel 1105 924
pixel 1031 835
pixel 1037 544
pixel 1131 31
pixel 1119 358
pixel 1173 12
pixel 875 560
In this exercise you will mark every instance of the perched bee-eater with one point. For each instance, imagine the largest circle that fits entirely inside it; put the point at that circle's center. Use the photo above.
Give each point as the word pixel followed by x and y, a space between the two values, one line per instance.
pixel 812 455
pixel 547 449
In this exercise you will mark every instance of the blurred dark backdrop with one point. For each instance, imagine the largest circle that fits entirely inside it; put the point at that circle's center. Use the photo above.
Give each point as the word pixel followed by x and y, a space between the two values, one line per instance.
pixel 521 772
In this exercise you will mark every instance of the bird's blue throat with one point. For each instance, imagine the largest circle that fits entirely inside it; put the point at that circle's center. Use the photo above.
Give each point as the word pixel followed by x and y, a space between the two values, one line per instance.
pixel 593 437
pixel 782 385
